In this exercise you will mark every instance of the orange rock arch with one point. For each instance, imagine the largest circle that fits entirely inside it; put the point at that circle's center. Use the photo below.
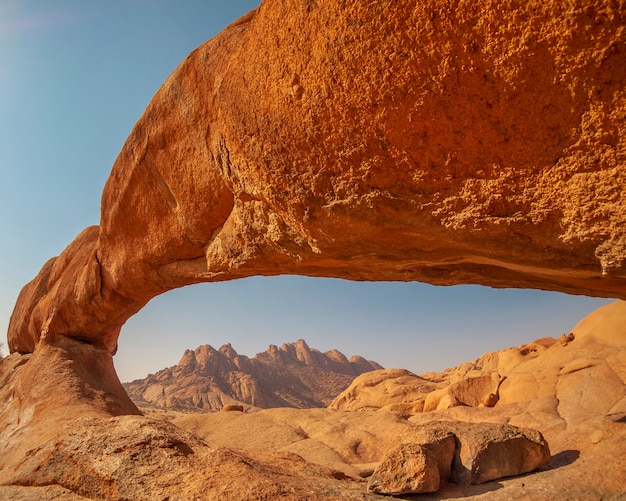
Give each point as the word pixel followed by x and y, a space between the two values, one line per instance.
pixel 439 142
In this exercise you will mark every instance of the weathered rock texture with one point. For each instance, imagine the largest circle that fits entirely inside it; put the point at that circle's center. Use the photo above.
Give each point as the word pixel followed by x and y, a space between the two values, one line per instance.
pixel 574 394
pixel 578 376
pixel 293 375
pixel 437 141
pixel 440 141
pixel 408 469
pixel 131 457
pixel 467 453
pixel 386 387
pixel 401 390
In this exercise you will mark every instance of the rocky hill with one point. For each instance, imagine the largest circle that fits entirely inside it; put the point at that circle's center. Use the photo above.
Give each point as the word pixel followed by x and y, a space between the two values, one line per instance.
pixel 293 375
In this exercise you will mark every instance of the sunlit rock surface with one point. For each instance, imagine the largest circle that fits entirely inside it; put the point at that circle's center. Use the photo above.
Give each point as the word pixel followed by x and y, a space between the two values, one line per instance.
pixel 445 143
pixel 574 394
pixel 292 375
pixel 441 142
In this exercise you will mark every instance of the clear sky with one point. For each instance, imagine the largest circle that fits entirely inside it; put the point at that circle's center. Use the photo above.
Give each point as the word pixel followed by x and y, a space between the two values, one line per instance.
pixel 75 75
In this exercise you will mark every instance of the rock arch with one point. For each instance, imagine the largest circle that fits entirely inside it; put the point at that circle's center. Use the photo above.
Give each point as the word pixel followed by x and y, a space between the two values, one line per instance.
pixel 386 140
pixel 435 141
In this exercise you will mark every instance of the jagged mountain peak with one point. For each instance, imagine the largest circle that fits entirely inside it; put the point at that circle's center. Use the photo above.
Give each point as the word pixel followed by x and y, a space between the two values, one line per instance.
pixel 293 375
pixel 228 351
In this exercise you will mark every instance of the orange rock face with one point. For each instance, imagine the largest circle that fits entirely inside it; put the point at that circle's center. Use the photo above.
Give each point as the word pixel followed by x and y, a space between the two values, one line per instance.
pixel 376 141
pixel 574 395
pixel 437 141
pixel 469 453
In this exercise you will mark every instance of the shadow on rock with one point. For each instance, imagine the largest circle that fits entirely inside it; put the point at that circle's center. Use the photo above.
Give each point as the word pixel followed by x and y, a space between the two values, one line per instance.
pixel 563 458
pixel 454 491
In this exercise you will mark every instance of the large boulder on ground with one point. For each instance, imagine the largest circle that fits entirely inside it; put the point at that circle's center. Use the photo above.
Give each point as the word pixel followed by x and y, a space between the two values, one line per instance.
pixel 384 388
pixel 466 453
pixel 408 469
pixel 473 391
pixel 490 451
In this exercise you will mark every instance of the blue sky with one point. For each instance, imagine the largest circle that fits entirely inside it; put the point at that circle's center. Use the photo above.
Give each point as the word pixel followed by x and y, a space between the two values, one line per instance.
pixel 74 78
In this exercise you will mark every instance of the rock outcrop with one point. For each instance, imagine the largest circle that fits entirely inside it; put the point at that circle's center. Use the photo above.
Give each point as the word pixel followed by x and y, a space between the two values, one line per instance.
pixel 394 389
pixel 401 390
pixel 440 142
pixel 409 469
pixel 589 356
pixel 132 457
pixel 293 375
pixel 573 395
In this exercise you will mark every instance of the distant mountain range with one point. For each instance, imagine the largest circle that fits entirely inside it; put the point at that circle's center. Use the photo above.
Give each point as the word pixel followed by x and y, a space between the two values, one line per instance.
pixel 293 375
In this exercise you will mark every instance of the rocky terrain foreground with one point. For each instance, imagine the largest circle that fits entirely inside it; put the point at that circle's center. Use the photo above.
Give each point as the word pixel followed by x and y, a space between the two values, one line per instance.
pixel 437 141
pixel 292 375
pixel 571 389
